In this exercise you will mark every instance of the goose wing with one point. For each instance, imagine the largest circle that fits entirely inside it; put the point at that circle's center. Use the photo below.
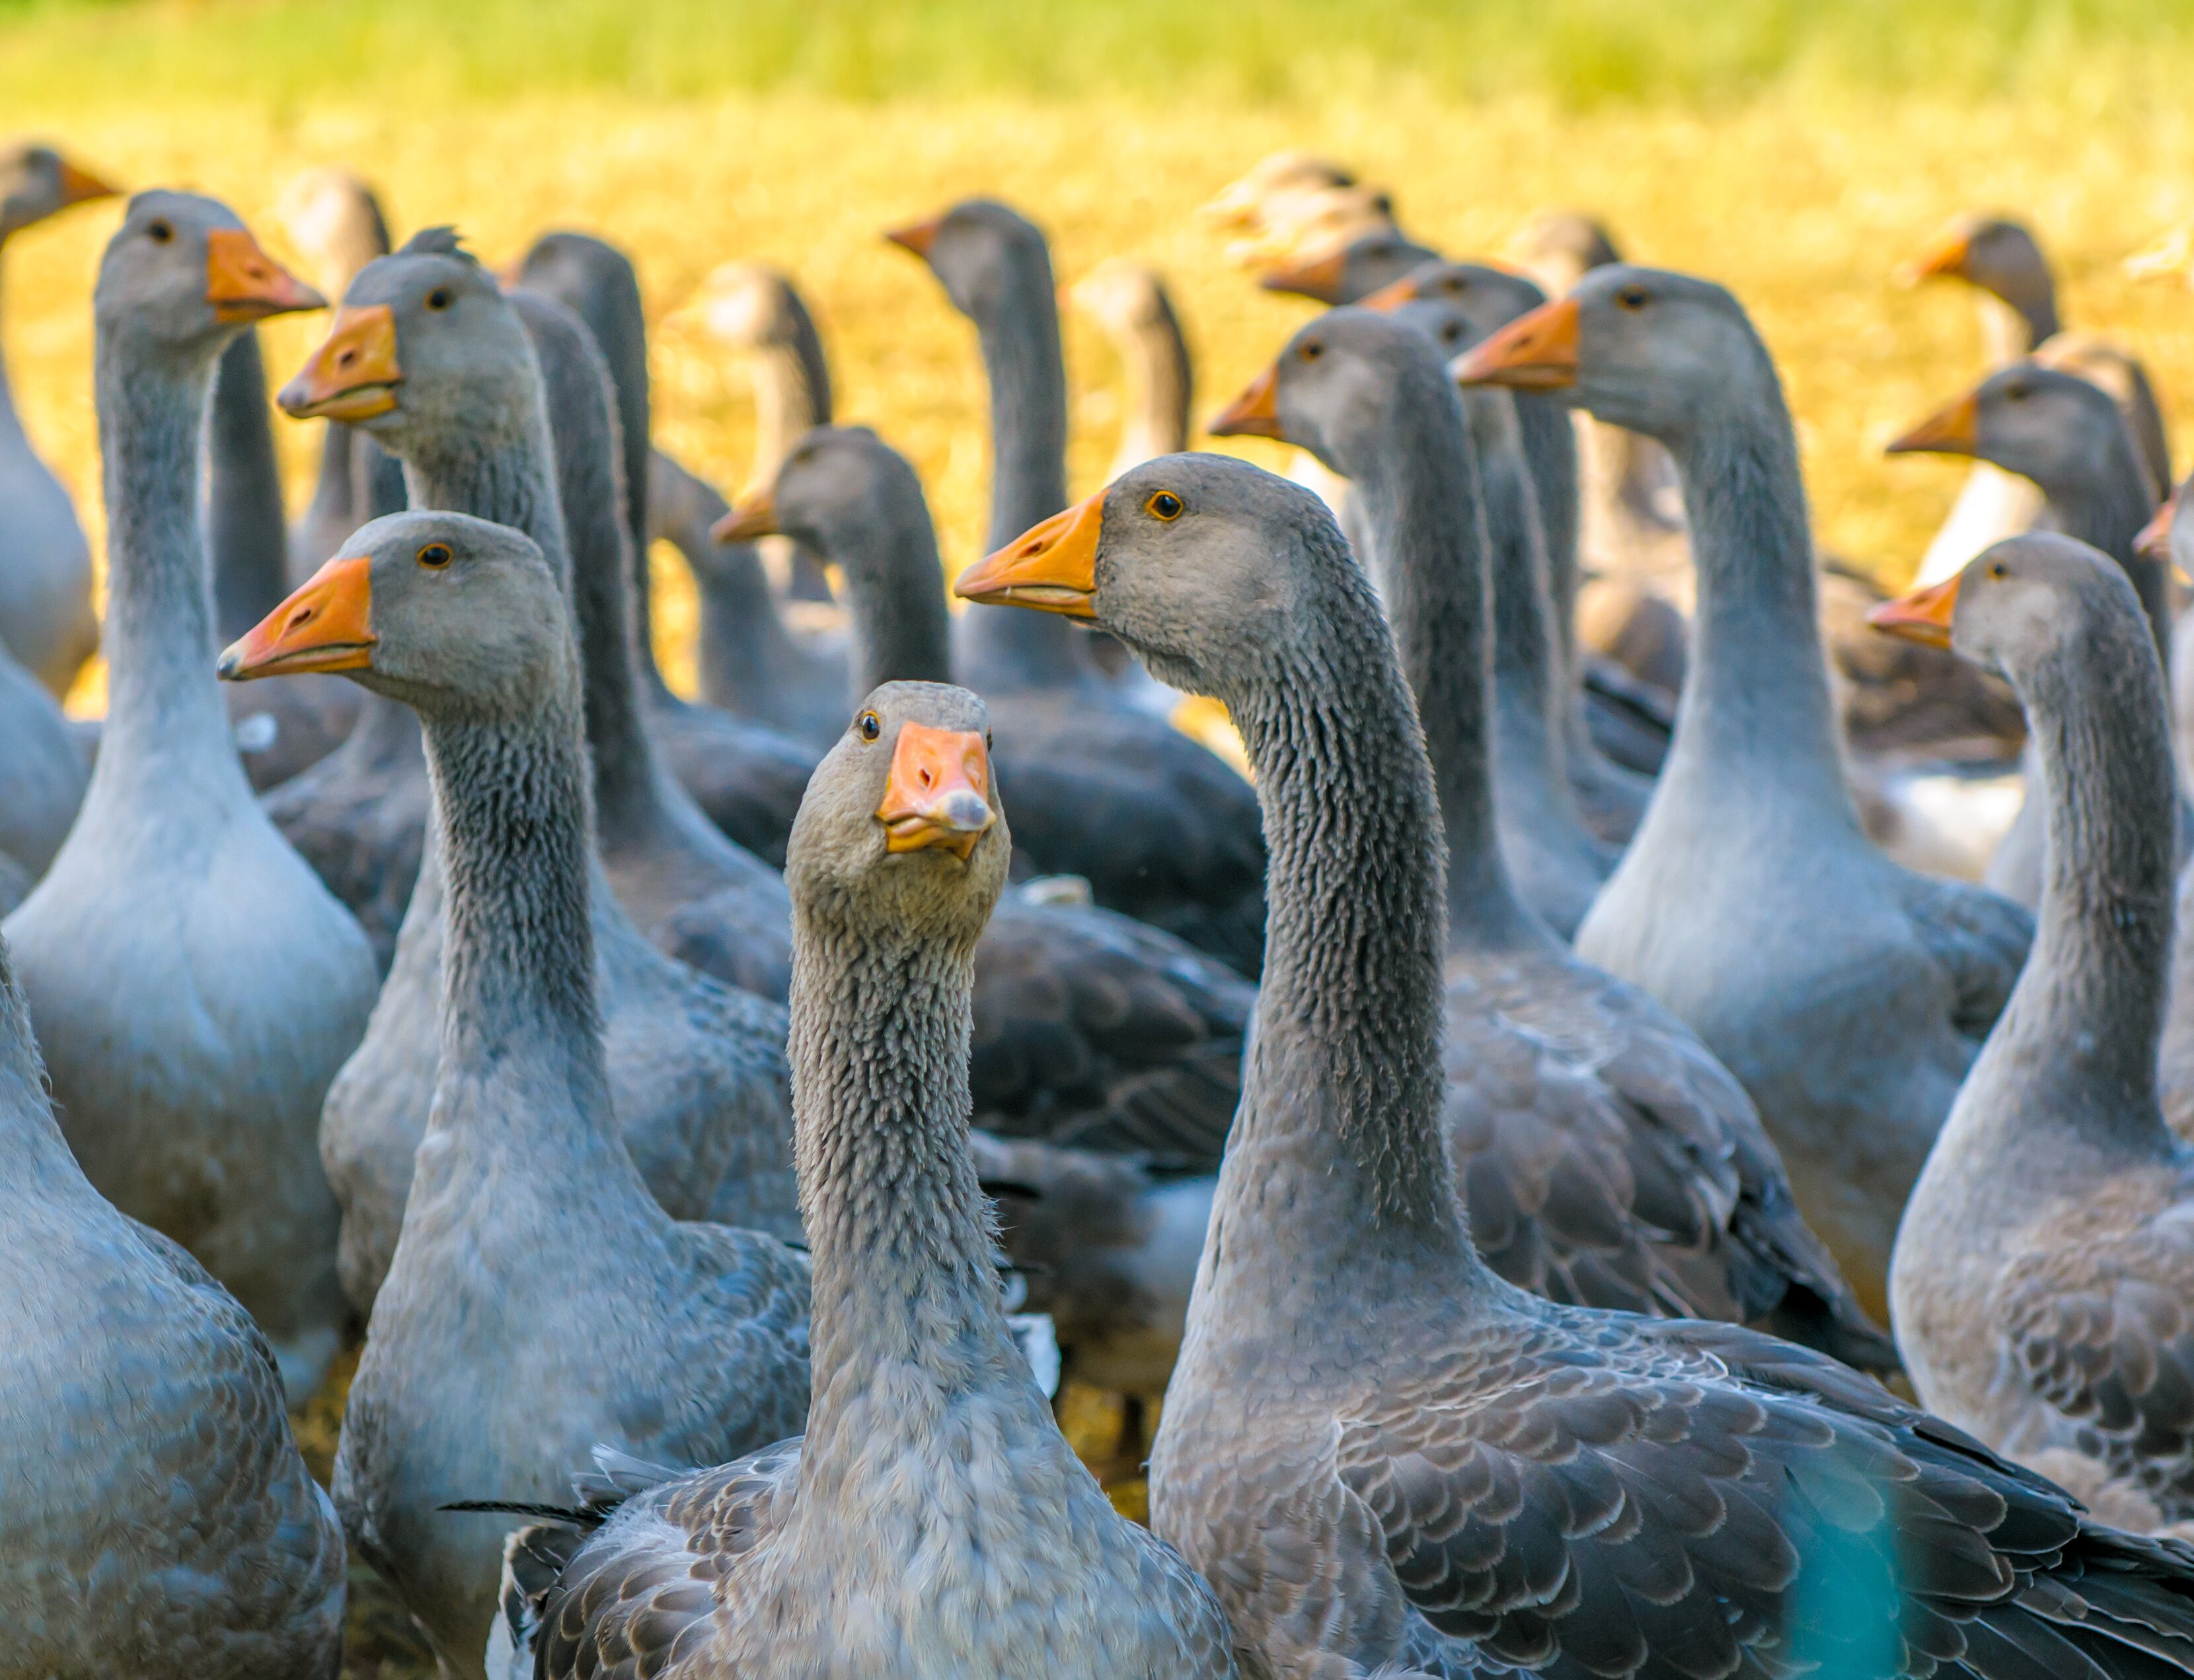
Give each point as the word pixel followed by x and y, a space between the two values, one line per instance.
pixel 1593 1494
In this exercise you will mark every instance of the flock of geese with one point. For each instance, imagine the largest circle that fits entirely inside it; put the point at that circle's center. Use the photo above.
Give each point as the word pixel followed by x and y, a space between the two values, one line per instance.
pixel 1504 1132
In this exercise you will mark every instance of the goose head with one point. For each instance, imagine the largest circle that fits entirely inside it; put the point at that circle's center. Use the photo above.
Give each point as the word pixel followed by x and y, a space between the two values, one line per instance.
pixel 748 306
pixel 2056 429
pixel 2025 607
pixel 333 217
pixel 838 483
pixel 37 182
pixel 1645 349
pixel 1249 201
pixel 424 345
pixel 901 822
pixel 1458 303
pixel 1997 253
pixel 455 615
pixel 1122 296
pixel 984 254
pixel 1350 269
pixel 1191 560
pixel 182 276
pixel 1559 247
pixel 1331 389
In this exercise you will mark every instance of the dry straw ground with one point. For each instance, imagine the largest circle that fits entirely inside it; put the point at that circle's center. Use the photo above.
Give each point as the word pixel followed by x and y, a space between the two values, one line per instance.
pixel 1796 153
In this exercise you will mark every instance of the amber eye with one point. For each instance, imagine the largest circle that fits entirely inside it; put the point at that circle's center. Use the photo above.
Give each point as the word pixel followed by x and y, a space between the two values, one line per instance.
pixel 160 232
pixel 1163 504
pixel 869 726
pixel 436 555
pixel 1997 569
pixel 1312 351
pixel 438 298
pixel 1631 297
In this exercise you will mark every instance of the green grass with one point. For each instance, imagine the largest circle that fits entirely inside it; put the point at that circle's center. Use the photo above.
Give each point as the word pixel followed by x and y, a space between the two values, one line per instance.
pixel 1577 53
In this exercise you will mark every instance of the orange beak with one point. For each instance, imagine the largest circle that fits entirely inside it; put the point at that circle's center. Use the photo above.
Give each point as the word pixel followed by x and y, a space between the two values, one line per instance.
pixel 244 284
pixel 1256 414
pixel 2154 542
pixel 1955 430
pixel 1052 567
pixel 1391 296
pixel 81 187
pixel 1320 277
pixel 917 236
pixel 1535 352
pixel 323 626
pixel 353 376
pixel 938 791
pixel 1947 255
pixel 1923 616
pixel 755 516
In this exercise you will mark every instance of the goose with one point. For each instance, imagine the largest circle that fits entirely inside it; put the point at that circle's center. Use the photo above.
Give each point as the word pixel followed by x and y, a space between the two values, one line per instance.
pixel 748 778
pixel 1107 1056
pixel 286 727
pixel 1347 271
pixel 2044 1256
pixel 695 1069
pixel 2001 258
pixel 931 1521
pixel 1605 1157
pixel 188 1050
pixel 756 310
pixel 335 218
pixel 159 1520
pixel 1848 995
pixel 1459 304
pixel 1384 1457
pixel 1636 608
pixel 1263 201
pixel 2066 437
pixel 749 662
pixel 996 269
pixel 46 619
pixel 1492 524
pixel 539 1301
pixel 1129 303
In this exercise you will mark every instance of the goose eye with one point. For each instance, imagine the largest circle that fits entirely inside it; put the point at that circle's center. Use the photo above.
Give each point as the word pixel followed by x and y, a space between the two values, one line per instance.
pixel 1312 351
pixel 438 298
pixel 986 740
pixel 1163 504
pixel 869 726
pixel 2015 393
pixel 436 555
pixel 160 232
pixel 1633 298
pixel 1450 334
pixel 1997 569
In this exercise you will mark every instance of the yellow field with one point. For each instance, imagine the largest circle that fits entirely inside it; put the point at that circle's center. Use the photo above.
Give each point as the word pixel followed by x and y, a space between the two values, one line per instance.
pixel 1802 206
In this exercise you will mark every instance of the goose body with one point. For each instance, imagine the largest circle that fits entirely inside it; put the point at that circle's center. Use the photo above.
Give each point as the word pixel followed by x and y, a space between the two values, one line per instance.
pixel 539 1301
pixel 931 1521
pixel 1385 1458
pixel 695 1068
pixel 190 1048
pixel 2044 1257
pixel 191 1542
pixel 46 620
pixel 1848 995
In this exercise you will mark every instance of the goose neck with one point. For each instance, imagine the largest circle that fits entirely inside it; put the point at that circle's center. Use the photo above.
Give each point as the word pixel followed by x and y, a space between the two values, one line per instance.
pixel 745 650
pixel 895 598
pixel 2104 504
pixel 1547 432
pixel 1154 363
pixel 792 396
pixel 11 426
pixel 2088 1012
pixel 1422 502
pixel 35 1162
pixel 244 525
pixel 164 702
pixel 905 1303
pixel 1526 658
pixel 1338 1118
pixel 1755 710
pixel 504 474
pixel 334 489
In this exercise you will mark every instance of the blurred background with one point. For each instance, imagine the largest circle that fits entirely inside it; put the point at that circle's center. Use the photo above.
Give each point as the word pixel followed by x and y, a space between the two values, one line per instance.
pixel 1797 150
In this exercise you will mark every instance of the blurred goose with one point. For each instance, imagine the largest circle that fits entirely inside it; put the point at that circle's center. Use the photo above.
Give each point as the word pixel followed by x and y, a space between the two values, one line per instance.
pixel 430 357
pixel 931 1521
pixel 2045 1266
pixel 748 778
pixel 336 220
pixel 46 619
pixel 1202 876
pixel 539 1301
pixel 2000 257
pixel 1604 1157
pixel 2066 436
pixel 159 1520
pixel 1352 269
pixel 1385 1458
pixel 188 1046
pixel 1128 302
pixel 1848 995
